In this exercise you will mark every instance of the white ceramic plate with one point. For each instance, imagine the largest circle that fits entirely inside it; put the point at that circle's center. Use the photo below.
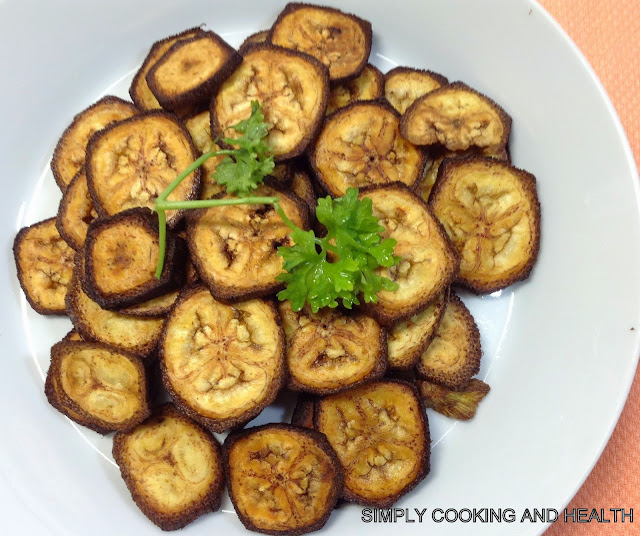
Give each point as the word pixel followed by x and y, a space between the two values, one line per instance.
pixel 560 350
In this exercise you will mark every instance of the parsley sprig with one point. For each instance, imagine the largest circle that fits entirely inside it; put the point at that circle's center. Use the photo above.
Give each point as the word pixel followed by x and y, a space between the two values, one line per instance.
pixel 323 272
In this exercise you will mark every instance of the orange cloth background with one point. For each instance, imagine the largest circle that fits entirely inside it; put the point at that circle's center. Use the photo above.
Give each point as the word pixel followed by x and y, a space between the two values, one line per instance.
pixel 608 34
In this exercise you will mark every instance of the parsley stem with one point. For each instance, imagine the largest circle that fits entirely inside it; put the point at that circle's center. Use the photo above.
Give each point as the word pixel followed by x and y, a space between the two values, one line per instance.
pixel 284 217
pixel 162 241
pixel 206 203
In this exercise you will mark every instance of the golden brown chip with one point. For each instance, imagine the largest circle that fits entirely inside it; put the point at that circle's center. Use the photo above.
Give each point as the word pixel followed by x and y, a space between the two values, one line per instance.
pixel 360 145
pixel 424 187
pixel 154 307
pixel 381 436
pixel 69 154
pixel 190 72
pixel 453 356
pixel 172 467
pixel 461 404
pixel 44 262
pixel 97 386
pixel 139 90
pixel 408 339
pixel 302 186
pixel 403 85
pixel 73 335
pixel 292 89
pixel 369 85
pixel 130 164
pixel 282 479
pixel 76 212
pixel 304 411
pixel 235 248
pixel 491 213
pixel 254 38
pixel 341 41
pixel 330 351
pixel 458 118
pixel 222 364
pixel 429 262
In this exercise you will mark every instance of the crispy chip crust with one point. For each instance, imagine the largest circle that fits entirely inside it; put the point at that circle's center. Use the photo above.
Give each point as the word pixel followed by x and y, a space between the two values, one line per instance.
pixel 96 386
pixel 293 469
pixel 155 307
pixel 457 117
pixel 254 38
pixel 292 89
pixel 491 213
pixel 302 186
pixel 44 263
pixel 453 356
pixel 461 404
pixel 172 467
pixel 191 70
pixel 360 145
pixel 69 154
pixel 330 351
pixel 341 41
pixel 234 248
pixel 429 262
pixel 139 89
pixel 121 255
pixel 75 212
pixel 130 163
pixel 369 85
pixel 381 435
pixel 403 85
pixel 222 364
pixel 304 411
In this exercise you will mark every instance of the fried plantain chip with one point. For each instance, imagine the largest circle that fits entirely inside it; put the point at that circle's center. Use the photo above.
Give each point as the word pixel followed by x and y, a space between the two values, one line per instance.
pixel 341 41
pixel 121 255
pixel 292 89
pixel 97 386
pixel 222 364
pixel 381 435
pixel 139 89
pixel 123 332
pixel 189 73
pixel 154 307
pixel 282 479
pixel 302 186
pixel 330 351
pixel 491 213
pixel 369 85
pixel 461 404
pixel 69 155
pixel 172 467
pixel 453 356
pixel 130 163
pixel 408 339
pixel 73 335
pixel 44 262
pixel 75 212
pixel 304 410
pixel 458 118
pixel 403 85
pixel 282 174
pixel 429 262
pixel 235 248
pixel 254 38
pixel 360 145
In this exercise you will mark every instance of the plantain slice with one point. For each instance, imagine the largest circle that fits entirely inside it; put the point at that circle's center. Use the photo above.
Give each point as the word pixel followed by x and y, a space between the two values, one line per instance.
pixel 369 85
pixel 73 335
pixel 44 262
pixel 154 307
pixel 341 41
pixel 172 467
pixel 490 211
pixel 222 364
pixel 123 332
pixel 254 38
pixel 97 386
pixel 75 212
pixel 121 255
pixel 330 351
pixel 291 87
pixel 429 262
pixel 69 154
pixel 235 248
pixel 408 339
pixel 282 479
pixel 301 186
pixel 403 85
pixel 190 72
pixel 130 163
pixel 304 411
pixel 139 89
pixel 453 356
pixel 282 174
pixel 360 145
pixel 461 404
pixel 381 435
pixel 458 118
